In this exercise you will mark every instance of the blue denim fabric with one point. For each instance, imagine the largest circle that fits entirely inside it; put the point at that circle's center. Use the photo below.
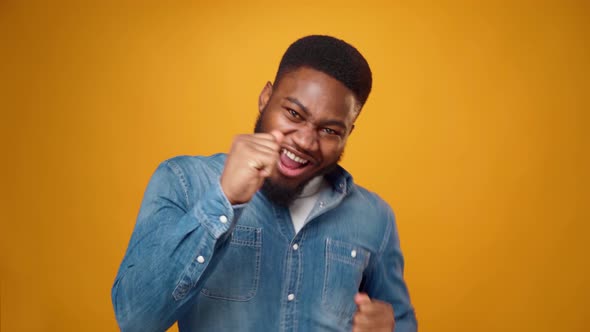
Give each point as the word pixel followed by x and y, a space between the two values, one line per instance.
pixel 211 266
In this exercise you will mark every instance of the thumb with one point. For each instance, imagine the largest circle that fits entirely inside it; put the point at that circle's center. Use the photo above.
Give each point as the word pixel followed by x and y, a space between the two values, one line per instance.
pixel 361 299
pixel 277 135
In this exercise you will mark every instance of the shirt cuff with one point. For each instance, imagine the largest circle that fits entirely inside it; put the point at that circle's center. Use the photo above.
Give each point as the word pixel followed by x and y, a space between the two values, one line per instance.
pixel 215 212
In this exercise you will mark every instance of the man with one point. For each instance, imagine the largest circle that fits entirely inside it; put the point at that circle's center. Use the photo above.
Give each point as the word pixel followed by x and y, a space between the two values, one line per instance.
pixel 275 235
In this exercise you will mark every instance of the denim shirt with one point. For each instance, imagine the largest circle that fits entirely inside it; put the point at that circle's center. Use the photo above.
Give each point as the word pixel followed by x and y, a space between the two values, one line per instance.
pixel 196 259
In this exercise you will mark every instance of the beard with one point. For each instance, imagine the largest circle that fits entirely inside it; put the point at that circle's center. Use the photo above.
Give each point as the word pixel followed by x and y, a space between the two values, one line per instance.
pixel 281 194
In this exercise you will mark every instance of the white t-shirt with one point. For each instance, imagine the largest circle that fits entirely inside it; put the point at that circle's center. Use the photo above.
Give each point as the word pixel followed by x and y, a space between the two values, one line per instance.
pixel 302 205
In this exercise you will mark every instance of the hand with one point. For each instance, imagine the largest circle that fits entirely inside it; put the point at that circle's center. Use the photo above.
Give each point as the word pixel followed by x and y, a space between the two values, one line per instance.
pixel 372 315
pixel 252 158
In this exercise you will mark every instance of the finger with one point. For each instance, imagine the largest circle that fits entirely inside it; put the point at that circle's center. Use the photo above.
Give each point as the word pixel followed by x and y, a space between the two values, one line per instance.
pixel 267 167
pixel 361 320
pixel 372 316
pixel 265 158
pixel 267 140
pixel 362 300
pixel 378 316
pixel 370 306
pixel 274 136
pixel 378 313
pixel 278 136
pixel 264 149
pixel 262 162
pixel 377 308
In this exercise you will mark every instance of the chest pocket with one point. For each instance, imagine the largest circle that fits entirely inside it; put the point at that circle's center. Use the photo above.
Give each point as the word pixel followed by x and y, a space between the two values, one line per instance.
pixel 236 275
pixel 345 263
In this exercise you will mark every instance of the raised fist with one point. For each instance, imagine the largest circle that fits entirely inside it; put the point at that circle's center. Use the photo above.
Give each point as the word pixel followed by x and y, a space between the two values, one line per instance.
pixel 252 159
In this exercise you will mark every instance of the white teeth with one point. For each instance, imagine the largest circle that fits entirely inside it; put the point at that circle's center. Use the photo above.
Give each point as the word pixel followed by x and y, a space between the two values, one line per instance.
pixel 293 157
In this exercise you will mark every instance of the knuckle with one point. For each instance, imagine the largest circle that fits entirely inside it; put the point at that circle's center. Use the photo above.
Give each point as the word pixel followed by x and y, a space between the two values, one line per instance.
pixel 238 141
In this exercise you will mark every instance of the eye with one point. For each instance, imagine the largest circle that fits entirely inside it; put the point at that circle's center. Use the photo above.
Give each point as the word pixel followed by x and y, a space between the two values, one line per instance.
pixel 293 114
pixel 330 131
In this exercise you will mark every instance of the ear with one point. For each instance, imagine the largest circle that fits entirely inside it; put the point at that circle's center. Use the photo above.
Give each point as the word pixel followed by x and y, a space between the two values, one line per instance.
pixel 264 96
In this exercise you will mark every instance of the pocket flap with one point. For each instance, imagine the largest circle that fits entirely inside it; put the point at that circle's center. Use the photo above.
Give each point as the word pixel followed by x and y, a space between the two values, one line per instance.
pixel 246 236
pixel 347 252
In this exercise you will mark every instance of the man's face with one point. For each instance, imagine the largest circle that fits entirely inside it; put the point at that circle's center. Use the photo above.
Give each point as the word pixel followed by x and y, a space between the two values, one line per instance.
pixel 316 114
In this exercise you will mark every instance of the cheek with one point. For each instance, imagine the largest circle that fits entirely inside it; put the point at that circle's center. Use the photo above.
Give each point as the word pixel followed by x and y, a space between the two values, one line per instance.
pixel 271 120
pixel 276 118
pixel 331 151
pixel 287 126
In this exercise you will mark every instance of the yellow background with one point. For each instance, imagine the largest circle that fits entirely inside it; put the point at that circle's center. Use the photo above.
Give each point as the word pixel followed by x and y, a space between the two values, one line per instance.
pixel 475 133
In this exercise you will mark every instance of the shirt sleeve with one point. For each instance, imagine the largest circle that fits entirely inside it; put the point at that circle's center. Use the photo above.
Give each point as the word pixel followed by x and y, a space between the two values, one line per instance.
pixel 173 245
pixel 385 280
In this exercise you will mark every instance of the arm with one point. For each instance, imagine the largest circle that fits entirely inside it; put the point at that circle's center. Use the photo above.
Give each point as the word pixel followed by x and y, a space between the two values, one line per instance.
pixel 169 253
pixel 385 280
pixel 179 238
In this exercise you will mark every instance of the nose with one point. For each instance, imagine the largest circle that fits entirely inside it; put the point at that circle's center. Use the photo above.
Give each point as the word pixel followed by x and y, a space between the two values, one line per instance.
pixel 306 138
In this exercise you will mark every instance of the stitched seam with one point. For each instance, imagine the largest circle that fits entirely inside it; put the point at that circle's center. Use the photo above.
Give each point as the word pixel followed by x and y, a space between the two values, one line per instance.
pixel 180 174
pixel 299 278
pixel 362 258
pixel 254 288
pixel 246 243
pixel 348 261
pixel 384 242
pixel 386 237
pixel 332 258
pixel 326 269
pixel 257 242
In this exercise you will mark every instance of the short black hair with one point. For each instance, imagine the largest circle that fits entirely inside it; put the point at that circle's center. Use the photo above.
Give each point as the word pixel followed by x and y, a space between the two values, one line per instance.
pixel 331 56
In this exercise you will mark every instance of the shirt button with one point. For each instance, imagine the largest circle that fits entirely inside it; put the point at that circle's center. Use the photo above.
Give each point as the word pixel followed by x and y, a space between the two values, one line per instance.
pixel 353 253
pixel 291 297
pixel 223 219
pixel 201 259
pixel 322 204
pixel 295 246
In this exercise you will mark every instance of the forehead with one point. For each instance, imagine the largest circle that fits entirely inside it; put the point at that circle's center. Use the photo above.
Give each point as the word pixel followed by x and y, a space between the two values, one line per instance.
pixel 316 91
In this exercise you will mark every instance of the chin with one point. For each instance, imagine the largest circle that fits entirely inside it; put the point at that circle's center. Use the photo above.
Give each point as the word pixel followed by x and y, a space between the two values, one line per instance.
pixel 280 193
pixel 292 182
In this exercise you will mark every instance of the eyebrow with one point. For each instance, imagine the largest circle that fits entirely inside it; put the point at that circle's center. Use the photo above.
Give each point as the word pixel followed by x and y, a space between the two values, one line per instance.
pixel 322 123
pixel 295 101
pixel 333 123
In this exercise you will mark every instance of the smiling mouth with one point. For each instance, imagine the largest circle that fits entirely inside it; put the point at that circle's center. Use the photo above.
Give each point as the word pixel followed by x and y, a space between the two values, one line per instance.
pixel 293 160
pixel 291 165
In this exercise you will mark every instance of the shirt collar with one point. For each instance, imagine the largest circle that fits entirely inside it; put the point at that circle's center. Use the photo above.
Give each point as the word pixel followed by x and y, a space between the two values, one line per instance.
pixel 340 180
